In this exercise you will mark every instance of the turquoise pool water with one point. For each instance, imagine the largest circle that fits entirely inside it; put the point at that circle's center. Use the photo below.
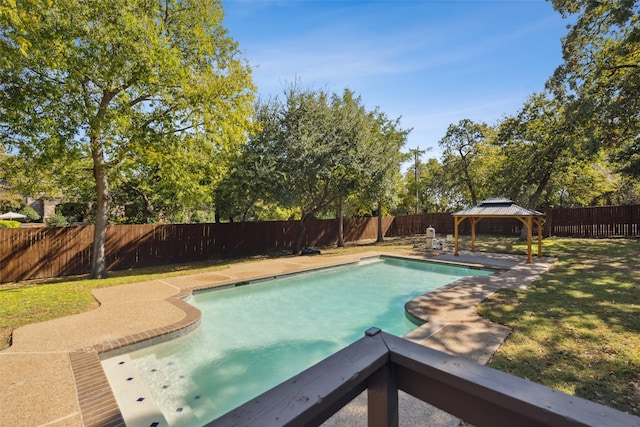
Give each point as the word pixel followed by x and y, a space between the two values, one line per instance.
pixel 253 337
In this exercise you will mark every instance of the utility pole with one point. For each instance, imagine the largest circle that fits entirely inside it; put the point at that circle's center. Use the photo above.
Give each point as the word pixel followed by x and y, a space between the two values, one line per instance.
pixel 416 153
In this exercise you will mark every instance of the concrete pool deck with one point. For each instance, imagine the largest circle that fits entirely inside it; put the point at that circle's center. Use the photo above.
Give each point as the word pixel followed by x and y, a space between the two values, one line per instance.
pixel 52 376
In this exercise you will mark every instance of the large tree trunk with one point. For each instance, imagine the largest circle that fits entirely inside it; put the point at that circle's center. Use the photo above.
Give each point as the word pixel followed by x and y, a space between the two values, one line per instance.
pixel 297 246
pixel 533 201
pixel 341 223
pixel 380 233
pixel 98 254
pixel 469 181
pixel 98 258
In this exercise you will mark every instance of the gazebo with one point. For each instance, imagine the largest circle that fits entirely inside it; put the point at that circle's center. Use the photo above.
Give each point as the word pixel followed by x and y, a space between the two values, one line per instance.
pixel 500 208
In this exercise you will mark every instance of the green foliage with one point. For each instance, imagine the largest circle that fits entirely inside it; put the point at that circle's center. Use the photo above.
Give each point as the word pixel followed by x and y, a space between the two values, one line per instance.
pixel 251 186
pixel 576 329
pixel 462 158
pixel 10 201
pixel 56 220
pixel 627 193
pixel 583 183
pixel 25 176
pixel 539 158
pixel 602 70
pixel 76 212
pixel 311 150
pixel 537 144
pixel 383 157
pixel 5 223
pixel 30 213
pixel 436 192
pixel 147 97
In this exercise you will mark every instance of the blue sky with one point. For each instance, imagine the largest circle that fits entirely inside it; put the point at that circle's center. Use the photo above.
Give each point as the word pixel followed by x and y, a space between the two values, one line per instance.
pixel 432 63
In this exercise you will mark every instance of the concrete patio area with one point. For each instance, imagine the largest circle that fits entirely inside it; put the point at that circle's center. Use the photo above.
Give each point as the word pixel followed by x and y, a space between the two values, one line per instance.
pixel 52 376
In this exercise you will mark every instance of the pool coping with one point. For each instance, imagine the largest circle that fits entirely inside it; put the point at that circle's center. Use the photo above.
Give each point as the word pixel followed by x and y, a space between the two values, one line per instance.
pixel 97 403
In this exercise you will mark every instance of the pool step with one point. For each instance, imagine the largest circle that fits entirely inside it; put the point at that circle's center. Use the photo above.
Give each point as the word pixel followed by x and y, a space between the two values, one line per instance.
pixel 136 404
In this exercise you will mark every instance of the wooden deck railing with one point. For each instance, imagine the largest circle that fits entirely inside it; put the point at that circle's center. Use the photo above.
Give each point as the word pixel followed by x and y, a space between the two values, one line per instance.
pixel 382 364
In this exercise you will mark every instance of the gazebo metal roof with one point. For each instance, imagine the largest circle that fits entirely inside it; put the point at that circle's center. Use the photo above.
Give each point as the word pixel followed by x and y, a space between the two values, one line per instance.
pixel 500 207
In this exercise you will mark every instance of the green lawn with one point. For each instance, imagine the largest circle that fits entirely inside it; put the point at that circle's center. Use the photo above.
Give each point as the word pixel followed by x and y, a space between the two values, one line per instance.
pixel 31 302
pixel 577 329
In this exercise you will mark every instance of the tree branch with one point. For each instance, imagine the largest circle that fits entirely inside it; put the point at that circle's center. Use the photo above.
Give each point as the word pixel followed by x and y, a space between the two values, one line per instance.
pixel 183 129
pixel 140 99
pixel 616 68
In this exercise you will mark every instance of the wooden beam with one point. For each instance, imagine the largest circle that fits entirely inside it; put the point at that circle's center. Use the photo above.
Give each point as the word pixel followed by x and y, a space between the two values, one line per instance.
pixel 456 222
pixel 538 221
pixel 473 233
pixel 474 220
pixel 382 397
pixel 529 234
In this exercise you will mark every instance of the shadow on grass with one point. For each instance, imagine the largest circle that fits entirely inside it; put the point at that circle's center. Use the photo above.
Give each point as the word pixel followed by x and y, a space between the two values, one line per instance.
pixel 577 329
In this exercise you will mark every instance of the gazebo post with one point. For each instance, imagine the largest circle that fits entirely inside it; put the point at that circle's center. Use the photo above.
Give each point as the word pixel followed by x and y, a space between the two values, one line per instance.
pixel 539 222
pixel 529 238
pixel 473 233
pixel 456 223
pixel 455 236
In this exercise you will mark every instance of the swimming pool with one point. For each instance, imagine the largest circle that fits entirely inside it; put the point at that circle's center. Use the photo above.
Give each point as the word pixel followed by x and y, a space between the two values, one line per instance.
pixel 254 337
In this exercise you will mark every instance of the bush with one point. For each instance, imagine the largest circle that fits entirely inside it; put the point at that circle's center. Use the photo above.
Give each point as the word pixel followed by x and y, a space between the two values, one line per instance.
pixel 30 213
pixel 10 201
pixel 56 220
pixel 5 223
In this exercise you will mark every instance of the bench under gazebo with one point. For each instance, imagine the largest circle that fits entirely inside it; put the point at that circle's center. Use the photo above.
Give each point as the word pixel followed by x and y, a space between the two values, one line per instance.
pixel 500 208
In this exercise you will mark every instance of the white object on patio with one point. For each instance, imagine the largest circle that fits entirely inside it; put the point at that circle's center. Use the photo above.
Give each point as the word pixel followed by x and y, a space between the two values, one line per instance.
pixel 12 215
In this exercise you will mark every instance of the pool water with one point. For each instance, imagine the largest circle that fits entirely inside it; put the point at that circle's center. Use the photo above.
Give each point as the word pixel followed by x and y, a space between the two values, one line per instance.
pixel 254 337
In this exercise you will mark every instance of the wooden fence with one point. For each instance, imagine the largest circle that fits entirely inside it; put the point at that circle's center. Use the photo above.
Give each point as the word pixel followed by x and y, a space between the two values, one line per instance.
pixel 599 222
pixel 36 253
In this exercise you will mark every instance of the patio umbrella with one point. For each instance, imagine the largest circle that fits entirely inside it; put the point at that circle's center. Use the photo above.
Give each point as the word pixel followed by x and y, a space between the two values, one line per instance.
pixel 12 215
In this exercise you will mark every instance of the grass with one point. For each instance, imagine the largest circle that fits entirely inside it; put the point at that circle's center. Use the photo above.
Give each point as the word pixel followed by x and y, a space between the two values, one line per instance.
pixel 576 329
pixel 36 301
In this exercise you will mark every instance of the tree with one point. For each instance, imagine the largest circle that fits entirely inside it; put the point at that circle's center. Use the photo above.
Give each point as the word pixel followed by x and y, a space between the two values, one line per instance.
pixel 602 70
pixel 107 81
pixel 251 188
pixel 297 145
pixel 380 183
pixel 300 142
pixel 461 149
pixel 353 128
pixel 314 149
pixel 436 192
pixel 415 153
pixel 537 144
pixel 30 213
pixel 583 182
